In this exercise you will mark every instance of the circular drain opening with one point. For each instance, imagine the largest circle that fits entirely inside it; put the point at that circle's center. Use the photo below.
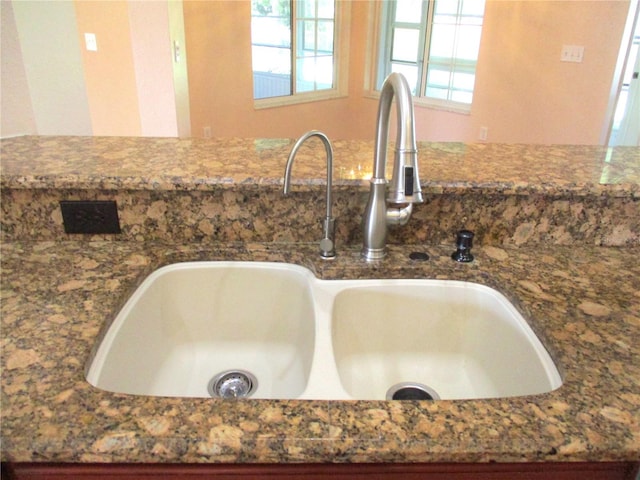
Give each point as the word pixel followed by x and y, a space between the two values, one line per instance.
pixel 232 384
pixel 411 391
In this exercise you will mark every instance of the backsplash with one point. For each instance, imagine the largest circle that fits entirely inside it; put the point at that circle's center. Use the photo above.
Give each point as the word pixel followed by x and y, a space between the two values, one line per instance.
pixel 182 191
pixel 261 214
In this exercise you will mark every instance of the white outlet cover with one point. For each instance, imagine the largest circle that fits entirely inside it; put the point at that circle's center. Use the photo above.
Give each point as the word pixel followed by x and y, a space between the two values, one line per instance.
pixel 91 42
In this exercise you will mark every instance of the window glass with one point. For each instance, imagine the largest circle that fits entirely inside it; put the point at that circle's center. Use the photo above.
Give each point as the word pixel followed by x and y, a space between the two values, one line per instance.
pixel 442 41
pixel 278 44
pixel 408 11
pixel 435 44
pixel 326 9
pixel 468 42
pixel 405 44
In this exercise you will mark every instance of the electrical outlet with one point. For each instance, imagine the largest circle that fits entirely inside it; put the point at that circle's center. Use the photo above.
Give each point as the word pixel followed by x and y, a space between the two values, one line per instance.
pixel 92 216
pixel 90 42
pixel 483 133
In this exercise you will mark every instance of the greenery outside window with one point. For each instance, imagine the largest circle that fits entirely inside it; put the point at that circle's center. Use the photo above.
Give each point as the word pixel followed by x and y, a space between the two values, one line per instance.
pixel 435 44
pixel 294 54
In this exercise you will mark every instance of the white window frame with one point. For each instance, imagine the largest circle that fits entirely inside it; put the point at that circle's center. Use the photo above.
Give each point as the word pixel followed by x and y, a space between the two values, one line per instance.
pixel 342 14
pixel 380 36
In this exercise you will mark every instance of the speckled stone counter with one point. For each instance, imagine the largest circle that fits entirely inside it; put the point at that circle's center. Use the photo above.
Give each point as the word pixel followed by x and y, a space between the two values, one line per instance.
pixel 223 190
pixel 57 296
pixel 545 217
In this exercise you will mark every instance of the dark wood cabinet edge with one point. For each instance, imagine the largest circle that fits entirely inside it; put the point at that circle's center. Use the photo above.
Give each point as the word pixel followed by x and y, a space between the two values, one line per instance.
pixel 426 471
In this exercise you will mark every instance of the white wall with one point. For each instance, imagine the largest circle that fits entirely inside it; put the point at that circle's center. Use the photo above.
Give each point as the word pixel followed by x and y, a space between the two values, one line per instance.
pixel 53 66
pixel 17 114
pixel 151 46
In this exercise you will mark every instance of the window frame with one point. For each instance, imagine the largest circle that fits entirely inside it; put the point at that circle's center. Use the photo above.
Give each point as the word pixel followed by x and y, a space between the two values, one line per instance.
pixel 380 41
pixel 342 15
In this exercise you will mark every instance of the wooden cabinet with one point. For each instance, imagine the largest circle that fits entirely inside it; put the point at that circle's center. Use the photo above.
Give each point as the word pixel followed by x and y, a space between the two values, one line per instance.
pixel 490 471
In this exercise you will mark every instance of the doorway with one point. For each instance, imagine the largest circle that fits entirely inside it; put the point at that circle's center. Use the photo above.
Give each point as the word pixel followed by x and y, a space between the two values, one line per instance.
pixel 625 125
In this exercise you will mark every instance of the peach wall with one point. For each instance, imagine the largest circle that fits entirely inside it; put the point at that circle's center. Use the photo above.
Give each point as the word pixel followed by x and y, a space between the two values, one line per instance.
pixel 523 92
pixel 221 85
pixel 109 72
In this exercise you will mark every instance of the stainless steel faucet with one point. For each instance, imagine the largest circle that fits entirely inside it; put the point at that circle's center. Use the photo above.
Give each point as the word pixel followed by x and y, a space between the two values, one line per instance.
pixel 327 244
pixel 405 182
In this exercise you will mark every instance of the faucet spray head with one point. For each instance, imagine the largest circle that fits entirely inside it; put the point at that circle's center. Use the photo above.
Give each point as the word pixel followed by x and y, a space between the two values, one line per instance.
pixel 405 183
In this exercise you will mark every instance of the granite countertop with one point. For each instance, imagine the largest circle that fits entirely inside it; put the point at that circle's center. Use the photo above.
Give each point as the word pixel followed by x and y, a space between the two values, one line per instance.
pixel 59 293
pixel 200 164
pixel 57 296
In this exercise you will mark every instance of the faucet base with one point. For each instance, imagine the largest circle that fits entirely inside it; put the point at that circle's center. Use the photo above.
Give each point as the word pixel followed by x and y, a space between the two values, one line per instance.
pixel 373 254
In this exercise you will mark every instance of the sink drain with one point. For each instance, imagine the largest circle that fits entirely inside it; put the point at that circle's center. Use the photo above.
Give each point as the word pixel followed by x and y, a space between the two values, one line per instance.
pixel 232 384
pixel 411 391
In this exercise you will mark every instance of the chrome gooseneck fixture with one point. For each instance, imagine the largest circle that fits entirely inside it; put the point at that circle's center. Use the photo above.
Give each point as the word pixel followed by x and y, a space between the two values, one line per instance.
pixel 327 244
pixel 405 182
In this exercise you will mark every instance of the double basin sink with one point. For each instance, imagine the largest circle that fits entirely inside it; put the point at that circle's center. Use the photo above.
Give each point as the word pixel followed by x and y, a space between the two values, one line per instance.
pixel 275 331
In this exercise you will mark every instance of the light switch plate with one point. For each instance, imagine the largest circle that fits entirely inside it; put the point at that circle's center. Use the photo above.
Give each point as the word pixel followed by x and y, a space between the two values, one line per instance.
pixel 572 53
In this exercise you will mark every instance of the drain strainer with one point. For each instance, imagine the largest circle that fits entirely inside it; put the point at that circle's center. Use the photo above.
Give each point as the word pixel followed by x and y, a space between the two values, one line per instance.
pixel 232 384
pixel 411 391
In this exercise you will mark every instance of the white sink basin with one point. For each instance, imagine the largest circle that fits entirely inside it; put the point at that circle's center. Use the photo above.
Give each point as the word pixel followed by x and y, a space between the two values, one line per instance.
pixel 188 322
pixel 461 340
pixel 277 326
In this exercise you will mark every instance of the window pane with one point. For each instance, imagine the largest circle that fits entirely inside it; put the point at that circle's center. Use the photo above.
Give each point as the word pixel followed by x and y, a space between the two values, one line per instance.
pixel 314 63
pixel 314 73
pixel 408 11
pixel 405 44
pixel 325 36
pixel 468 42
pixel 270 59
pixel 450 45
pixel 438 78
pixel 462 97
pixel 315 36
pixel 463 81
pixel 305 74
pixel 271 72
pixel 436 92
pixel 473 7
pixel 271 48
pixel 442 41
pixel 270 31
pixel 308 29
pixel 446 7
pixel 306 8
pixel 326 9
pixel 324 72
pixel 313 46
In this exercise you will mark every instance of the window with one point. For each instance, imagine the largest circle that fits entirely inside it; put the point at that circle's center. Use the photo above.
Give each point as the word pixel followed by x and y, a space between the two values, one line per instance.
pixel 293 48
pixel 435 44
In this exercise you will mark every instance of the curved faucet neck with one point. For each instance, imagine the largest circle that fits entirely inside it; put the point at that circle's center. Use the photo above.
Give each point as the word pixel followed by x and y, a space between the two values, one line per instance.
pixel 329 152
pixel 395 85
pixel 327 247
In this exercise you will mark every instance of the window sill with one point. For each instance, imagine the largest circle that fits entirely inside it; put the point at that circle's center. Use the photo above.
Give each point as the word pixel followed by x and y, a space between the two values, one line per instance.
pixel 422 102
pixel 310 97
